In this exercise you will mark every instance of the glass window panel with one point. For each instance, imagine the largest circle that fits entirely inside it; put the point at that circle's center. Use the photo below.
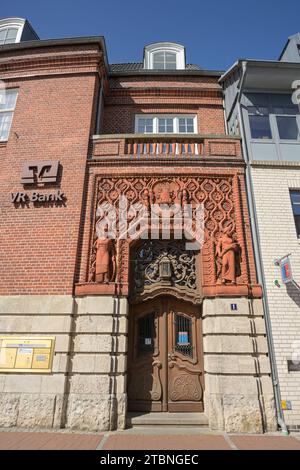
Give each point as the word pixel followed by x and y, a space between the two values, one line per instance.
pixel 295 196
pixel 296 209
pixel 158 60
pixel 170 60
pixel 5 122
pixel 169 125
pixel 297 223
pixel 182 125
pixel 8 99
pixel 162 125
pixel 287 127
pixel 145 125
pixel 190 125
pixel 145 334
pixel 2 35
pixel 260 127
pixel 183 335
pixel 11 34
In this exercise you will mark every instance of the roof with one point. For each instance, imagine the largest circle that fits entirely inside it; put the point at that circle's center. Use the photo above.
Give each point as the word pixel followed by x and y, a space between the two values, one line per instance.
pixel 290 38
pixel 136 66
pixel 257 63
pixel 57 42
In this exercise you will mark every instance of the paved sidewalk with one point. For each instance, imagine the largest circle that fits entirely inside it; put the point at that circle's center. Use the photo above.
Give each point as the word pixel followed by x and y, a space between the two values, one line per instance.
pixel 145 439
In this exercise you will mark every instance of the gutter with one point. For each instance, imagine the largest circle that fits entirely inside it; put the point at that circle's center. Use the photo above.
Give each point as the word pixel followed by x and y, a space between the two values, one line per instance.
pixel 258 261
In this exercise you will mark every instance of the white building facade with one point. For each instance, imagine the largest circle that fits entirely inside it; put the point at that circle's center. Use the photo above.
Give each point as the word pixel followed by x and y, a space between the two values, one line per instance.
pixel 261 105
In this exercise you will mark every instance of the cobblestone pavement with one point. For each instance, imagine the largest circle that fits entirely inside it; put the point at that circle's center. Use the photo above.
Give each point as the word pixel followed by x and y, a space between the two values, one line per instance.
pixel 145 439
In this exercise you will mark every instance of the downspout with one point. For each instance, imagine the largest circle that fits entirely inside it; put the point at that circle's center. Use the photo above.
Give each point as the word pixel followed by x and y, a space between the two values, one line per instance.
pixel 258 261
pixel 99 110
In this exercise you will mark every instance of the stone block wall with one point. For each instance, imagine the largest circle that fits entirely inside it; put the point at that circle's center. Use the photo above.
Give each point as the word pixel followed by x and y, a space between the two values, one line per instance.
pixel 36 400
pixel 97 380
pixel 238 388
pixel 87 388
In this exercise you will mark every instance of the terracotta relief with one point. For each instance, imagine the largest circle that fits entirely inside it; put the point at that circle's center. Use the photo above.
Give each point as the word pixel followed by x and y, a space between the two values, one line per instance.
pixel 223 257
pixel 228 253
pixel 105 265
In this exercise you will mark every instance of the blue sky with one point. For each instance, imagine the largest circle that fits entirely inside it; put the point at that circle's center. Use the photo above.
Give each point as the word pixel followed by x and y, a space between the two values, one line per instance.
pixel 215 32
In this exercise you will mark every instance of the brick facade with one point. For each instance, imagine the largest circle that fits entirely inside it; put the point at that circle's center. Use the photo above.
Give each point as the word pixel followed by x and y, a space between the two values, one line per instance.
pixel 53 120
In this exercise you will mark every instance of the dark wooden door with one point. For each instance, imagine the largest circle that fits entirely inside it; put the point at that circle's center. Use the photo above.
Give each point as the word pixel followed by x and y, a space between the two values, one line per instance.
pixel 165 370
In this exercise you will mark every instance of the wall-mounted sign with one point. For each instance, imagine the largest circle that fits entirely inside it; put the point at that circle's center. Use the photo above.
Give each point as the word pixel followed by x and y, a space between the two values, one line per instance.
pixel 286 270
pixel 40 172
pixel 286 404
pixel 24 354
pixel 183 337
pixel 233 306
pixel 20 197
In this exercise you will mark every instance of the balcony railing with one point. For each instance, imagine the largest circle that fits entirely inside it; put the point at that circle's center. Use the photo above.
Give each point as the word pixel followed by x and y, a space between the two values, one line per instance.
pixel 165 146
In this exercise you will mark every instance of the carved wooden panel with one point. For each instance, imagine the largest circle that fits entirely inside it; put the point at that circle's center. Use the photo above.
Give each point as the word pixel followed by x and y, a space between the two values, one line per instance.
pixel 185 387
pixel 166 379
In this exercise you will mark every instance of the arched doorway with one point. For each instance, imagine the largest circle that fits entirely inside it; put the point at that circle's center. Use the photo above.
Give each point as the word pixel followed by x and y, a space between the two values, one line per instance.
pixel 165 359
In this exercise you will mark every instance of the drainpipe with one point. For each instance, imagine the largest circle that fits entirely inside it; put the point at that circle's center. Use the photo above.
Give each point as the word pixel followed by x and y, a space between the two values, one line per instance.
pixel 258 261
pixel 99 113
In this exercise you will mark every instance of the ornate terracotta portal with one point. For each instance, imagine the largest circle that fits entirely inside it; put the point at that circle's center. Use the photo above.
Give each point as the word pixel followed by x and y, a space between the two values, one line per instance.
pixel 224 266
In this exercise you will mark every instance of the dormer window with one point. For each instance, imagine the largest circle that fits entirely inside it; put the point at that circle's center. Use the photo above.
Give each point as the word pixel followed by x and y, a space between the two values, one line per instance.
pixel 8 35
pixel 14 30
pixel 164 56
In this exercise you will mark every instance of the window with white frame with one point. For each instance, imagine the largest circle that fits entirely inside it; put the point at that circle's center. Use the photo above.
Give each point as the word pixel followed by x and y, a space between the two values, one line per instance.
pixel 164 56
pixel 8 100
pixel 166 124
pixel 8 35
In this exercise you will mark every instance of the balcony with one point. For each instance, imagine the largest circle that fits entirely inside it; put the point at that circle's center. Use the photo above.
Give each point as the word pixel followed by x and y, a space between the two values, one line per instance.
pixel 158 146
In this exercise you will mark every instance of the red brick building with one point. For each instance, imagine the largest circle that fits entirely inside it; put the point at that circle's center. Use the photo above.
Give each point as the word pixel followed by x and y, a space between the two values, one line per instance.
pixel 136 324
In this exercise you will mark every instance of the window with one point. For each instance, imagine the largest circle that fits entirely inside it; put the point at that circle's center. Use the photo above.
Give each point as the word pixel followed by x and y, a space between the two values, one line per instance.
pixel 145 126
pixel 186 125
pixel 166 124
pixel 276 119
pixel 183 335
pixel 8 100
pixel 8 36
pixel 164 56
pixel 295 198
pixel 287 127
pixel 146 334
pixel 164 60
pixel 259 122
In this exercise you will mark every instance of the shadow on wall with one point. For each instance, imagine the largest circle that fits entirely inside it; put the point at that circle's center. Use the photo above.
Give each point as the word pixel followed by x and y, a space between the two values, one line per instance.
pixel 293 290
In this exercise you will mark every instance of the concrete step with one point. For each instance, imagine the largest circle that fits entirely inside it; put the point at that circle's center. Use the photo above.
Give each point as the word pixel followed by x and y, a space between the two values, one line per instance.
pixel 167 419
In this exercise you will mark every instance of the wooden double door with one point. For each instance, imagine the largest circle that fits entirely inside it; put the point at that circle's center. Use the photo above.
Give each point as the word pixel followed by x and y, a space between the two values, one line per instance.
pixel 165 361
